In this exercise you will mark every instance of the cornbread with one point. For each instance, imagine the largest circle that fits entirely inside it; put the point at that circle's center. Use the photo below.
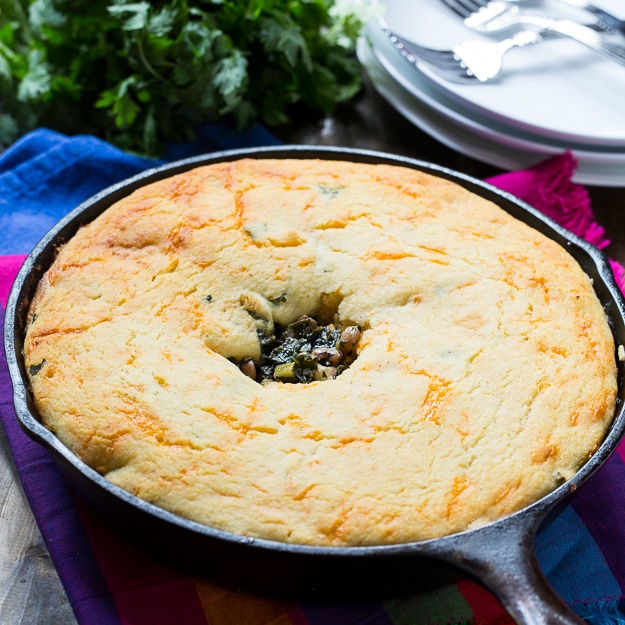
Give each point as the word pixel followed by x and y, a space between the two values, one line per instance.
pixel 482 376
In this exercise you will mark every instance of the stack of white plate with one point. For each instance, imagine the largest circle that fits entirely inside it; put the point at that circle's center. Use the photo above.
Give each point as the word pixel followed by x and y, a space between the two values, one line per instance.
pixel 551 97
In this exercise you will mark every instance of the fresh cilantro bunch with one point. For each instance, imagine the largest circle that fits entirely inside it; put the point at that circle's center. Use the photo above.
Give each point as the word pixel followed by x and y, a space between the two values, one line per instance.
pixel 141 73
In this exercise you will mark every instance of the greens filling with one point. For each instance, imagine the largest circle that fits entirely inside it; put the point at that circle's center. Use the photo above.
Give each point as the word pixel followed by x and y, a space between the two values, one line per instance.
pixel 302 352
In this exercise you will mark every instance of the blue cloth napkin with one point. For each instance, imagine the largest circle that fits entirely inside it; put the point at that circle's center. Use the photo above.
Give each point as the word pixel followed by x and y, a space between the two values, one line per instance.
pixel 68 170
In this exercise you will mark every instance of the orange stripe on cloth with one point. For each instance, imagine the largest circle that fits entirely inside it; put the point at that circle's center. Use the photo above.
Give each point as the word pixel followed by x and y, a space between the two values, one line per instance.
pixel 228 607
pixel 145 591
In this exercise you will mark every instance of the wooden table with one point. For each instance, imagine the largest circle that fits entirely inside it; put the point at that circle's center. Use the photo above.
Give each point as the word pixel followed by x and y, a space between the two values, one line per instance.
pixel 30 591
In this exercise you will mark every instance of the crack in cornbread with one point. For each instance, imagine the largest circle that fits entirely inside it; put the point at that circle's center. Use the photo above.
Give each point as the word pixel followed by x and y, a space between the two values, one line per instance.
pixel 484 372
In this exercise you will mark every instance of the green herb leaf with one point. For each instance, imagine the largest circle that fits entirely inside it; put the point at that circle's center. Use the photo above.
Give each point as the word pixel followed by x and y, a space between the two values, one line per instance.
pixel 230 78
pixel 162 23
pixel 42 13
pixel 134 15
pixel 35 85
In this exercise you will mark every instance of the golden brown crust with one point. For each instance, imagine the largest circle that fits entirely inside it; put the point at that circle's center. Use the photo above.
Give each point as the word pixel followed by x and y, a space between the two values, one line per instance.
pixel 485 374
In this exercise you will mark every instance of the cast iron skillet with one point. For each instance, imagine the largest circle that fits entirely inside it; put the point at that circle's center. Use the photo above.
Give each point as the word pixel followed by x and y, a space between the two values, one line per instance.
pixel 499 555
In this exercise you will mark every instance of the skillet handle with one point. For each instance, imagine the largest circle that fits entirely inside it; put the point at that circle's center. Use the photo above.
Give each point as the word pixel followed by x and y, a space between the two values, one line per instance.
pixel 502 557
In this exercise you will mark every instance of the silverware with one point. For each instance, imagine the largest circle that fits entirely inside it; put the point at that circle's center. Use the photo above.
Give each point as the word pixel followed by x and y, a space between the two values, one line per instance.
pixel 469 62
pixel 604 18
pixel 497 16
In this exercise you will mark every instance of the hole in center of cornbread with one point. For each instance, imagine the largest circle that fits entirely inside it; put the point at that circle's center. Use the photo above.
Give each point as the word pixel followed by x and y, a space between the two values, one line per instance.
pixel 303 351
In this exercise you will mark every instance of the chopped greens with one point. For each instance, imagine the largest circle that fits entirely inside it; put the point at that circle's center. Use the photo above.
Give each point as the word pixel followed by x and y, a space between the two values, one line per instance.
pixel 35 369
pixel 302 352
pixel 140 74
pixel 280 299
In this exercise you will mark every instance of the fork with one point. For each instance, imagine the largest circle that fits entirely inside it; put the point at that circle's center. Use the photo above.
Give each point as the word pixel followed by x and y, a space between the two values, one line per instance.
pixel 605 20
pixel 468 62
pixel 495 16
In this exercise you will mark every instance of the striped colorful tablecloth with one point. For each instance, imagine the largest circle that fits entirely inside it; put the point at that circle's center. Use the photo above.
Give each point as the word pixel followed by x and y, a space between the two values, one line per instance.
pixel 109 582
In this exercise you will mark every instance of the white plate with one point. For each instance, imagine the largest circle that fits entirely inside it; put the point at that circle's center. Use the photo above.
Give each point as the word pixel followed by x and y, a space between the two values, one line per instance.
pixel 557 89
pixel 481 142
pixel 428 92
